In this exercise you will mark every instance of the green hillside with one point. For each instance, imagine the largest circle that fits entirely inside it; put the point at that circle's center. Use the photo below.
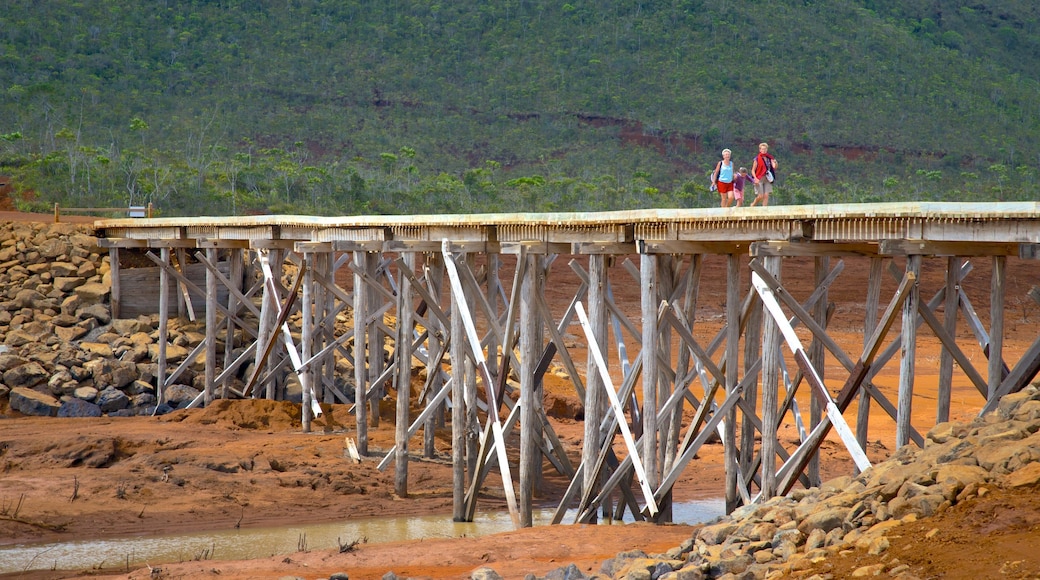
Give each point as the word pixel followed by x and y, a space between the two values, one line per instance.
pixel 330 106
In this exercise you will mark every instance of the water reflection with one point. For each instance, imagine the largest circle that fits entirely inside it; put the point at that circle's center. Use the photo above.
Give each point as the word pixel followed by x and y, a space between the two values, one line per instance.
pixel 262 542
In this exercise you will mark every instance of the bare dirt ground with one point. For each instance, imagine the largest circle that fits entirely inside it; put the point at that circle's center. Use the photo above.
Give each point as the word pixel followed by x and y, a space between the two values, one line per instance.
pixel 247 464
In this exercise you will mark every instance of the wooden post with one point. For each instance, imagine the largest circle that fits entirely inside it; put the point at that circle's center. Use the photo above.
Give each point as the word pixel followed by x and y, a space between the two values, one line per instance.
pixel 770 390
pixel 669 423
pixel 307 339
pixel 942 405
pixel 822 266
pixel 996 324
pixel 403 353
pixel 651 372
pixel 470 390
pixel 530 423
pixel 434 277
pixel 908 352
pixel 375 344
pixel 458 409
pixel 211 325
pixel 360 348
pixel 595 396
pixel 493 293
pixel 268 318
pixel 235 272
pixel 870 316
pixel 164 324
pixel 329 268
pixel 752 360
pixel 117 291
pixel 729 442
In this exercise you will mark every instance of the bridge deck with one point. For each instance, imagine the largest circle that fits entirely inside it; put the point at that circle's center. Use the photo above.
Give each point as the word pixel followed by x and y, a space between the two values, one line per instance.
pixel 1017 222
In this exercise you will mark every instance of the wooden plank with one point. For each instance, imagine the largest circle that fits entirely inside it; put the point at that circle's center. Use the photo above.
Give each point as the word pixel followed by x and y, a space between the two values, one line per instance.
pixel 121 243
pixel 690 247
pixel 603 248
pixel 943 248
pixel 139 288
pixel 812 249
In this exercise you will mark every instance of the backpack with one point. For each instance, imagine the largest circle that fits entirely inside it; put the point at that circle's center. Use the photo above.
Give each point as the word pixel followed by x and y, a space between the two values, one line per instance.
pixel 770 171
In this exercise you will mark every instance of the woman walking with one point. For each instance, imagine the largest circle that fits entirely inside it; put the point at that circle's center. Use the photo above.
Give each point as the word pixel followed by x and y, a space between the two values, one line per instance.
pixel 722 177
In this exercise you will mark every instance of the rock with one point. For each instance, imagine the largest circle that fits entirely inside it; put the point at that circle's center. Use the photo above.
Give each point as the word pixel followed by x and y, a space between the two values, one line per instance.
pixel 112 399
pixel 868 571
pixel 570 572
pixel 30 402
pixel 339 576
pixel 825 520
pixel 66 284
pixel 175 395
pixel 98 348
pixel 70 333
pixel 483 573
pixel 96 311
pixel 1025 477
pixel 27 375
pixel 18 337
pixel 53 248
pixel 93 293
pixel 79 408
pixel 85 393
pixel 716 533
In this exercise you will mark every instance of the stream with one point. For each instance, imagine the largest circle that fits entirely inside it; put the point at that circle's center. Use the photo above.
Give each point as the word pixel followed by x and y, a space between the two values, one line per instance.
pixel 243 544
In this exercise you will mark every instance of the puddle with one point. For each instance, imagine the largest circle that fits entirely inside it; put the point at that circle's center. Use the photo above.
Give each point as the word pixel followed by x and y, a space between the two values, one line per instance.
pixel 263 542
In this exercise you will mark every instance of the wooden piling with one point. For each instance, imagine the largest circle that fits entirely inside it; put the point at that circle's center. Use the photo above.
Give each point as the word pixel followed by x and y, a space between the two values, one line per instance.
pixel 908 353
pixel 770 390
pixel 403 354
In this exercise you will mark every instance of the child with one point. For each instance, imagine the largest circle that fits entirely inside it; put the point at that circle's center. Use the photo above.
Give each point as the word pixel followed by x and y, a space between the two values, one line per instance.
pixel 738 186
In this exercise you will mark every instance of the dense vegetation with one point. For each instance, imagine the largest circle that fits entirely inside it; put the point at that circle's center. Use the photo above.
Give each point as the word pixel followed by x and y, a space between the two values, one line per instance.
pixel 340 106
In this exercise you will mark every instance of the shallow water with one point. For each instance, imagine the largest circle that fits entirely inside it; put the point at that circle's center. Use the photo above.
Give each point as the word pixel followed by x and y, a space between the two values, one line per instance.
pixel 262 542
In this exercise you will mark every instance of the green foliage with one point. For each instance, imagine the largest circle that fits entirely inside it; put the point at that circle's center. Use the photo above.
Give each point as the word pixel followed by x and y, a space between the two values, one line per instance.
pixel 313 106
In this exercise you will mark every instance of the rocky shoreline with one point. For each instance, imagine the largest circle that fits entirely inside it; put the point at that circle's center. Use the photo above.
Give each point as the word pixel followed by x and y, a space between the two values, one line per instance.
pixel 63 354
pixel 793 535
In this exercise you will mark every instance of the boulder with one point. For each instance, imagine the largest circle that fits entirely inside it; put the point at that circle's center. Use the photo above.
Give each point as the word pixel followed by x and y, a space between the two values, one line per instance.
pixel 79 408
pixel 93 292
pixel 112 399
pixel 30 402
pixel 176 395
pixel 28 375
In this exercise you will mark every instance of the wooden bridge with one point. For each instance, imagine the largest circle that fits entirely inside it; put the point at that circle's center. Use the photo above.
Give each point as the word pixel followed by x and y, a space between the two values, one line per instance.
pixel 282 282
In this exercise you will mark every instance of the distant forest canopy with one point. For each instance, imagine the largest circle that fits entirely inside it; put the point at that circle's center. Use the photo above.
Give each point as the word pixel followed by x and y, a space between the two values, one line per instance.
pixel 342 107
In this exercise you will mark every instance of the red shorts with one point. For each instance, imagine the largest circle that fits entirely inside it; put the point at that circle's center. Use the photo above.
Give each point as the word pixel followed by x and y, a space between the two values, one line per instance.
pixel 725 187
